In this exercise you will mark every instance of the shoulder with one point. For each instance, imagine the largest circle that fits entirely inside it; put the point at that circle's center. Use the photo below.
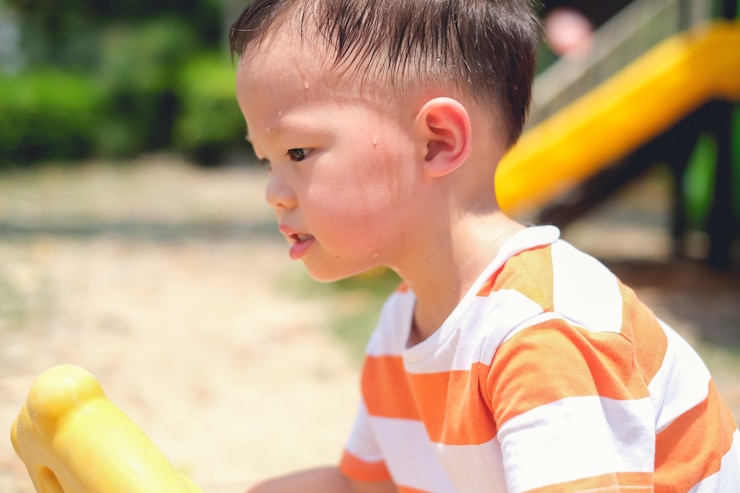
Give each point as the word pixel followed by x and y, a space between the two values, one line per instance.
pixel 564 280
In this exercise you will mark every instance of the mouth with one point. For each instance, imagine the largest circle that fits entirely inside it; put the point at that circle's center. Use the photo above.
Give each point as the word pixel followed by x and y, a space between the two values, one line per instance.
pixel 300 243
pixel 300 237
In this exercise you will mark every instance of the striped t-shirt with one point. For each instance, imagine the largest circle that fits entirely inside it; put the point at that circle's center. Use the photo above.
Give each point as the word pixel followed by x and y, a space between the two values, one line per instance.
pixel 549 376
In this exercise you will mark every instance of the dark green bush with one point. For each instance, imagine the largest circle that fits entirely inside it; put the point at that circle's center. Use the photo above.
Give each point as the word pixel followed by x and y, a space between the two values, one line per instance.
pixel 151 90
pixel 137 103
pixel 47 115
pixel 210 122
pixel 139 74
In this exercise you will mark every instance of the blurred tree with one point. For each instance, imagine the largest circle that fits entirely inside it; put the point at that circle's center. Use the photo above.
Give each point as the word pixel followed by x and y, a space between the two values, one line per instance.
pixel 139 75
pixel 68 33
pixel 133 52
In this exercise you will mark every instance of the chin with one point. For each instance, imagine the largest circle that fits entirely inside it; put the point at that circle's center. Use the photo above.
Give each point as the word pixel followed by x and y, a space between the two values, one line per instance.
pixel 324 278
pixel 333 275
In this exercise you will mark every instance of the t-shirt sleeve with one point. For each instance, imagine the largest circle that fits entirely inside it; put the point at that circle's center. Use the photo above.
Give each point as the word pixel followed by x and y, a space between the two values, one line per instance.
pixel 362 459
pixel 572 412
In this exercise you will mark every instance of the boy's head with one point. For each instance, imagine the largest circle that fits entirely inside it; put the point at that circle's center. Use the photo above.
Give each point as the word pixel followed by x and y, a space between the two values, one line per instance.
pixel 482 49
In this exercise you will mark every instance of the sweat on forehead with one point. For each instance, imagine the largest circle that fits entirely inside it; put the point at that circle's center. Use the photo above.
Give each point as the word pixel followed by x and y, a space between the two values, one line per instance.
pixel 483 48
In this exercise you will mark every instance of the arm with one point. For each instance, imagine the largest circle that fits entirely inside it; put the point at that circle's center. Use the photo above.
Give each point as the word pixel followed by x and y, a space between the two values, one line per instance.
pixel 321 480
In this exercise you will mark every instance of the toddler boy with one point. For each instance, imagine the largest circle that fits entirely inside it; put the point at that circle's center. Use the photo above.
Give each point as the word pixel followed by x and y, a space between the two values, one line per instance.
pixel 508 361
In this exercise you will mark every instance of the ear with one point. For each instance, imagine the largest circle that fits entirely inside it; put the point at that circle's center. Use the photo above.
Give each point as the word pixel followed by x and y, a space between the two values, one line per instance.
pixel 444 136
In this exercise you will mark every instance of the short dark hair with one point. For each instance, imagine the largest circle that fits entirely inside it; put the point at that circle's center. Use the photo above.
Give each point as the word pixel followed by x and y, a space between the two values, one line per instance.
pixel 486 48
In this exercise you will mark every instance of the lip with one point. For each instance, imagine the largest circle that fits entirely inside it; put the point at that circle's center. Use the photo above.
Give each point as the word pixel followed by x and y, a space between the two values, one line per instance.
pixel 299 242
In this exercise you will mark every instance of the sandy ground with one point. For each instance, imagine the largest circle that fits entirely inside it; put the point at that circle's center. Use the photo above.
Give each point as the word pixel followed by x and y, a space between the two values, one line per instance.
pixel 170 285
pixel 182 307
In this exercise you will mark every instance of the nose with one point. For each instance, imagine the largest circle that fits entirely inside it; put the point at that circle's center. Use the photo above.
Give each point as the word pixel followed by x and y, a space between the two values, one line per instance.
pixel 279 194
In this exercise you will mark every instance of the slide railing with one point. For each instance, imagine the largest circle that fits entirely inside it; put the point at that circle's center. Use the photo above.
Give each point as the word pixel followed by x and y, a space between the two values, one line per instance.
pixel 625 37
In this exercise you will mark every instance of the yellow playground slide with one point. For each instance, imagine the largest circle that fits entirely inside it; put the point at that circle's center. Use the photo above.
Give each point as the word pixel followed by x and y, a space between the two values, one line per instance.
pixel 628 110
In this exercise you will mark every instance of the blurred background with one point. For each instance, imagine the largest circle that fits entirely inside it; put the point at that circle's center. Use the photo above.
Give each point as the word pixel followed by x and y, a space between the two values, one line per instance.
pixel 135 242
pixel 116 79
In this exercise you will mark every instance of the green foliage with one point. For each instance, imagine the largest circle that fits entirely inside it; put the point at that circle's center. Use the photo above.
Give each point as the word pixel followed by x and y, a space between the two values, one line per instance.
pixel 47 115
pixel 148 76
pixel 147 80
pixel 67 33
pixel 139 73
pixel 698 182
pixel 155 100
pixel 210 121
pixel 126 93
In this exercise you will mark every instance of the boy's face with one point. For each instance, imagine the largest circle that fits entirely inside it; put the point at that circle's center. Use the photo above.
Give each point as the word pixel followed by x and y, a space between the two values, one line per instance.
pixel 342 173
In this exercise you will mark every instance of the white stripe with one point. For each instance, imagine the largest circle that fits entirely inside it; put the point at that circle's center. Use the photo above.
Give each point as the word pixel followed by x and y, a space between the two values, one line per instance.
pixel 584 290
pixel 485 327
pixel 575 438
pixel 361 442
pixel 409 455
pixel 540 319
pixel 504 313
pixel 392 330
pixel 681 383
pixel 475 468
pixel 727 479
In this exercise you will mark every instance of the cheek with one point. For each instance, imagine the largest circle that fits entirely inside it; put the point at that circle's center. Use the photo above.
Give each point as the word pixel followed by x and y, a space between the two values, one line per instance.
pixel 386 177
pixel 364 192
pixel 355 201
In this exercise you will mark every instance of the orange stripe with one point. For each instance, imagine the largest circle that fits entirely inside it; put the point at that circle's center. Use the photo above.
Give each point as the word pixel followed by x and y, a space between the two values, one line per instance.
pixel 640 325
pixel 452 406
pixel 407 489
pixel 386 389
pixel 692 446
pixel 490 284
pixel 605 483
pixel 553 360
pixel 541 364
pixel 357 469
pixel 530 273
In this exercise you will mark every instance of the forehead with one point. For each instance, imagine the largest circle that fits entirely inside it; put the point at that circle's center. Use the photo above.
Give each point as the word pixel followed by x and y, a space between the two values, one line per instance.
pixel 284 52
pixel 275 75
pixel 291 67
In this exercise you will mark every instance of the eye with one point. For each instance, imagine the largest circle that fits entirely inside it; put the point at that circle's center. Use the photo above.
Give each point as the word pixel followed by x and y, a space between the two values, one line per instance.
pixel 298 155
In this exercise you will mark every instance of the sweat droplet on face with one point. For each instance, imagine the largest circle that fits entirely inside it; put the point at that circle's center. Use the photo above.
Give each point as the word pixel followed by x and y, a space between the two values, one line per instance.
pixel 280 112
pixel 268 130
pixel 375 140
pixel 305 84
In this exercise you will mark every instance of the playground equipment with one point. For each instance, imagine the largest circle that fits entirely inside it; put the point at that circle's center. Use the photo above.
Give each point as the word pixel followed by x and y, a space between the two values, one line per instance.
pixel 72 439
pixel 662 77
pixel 620 115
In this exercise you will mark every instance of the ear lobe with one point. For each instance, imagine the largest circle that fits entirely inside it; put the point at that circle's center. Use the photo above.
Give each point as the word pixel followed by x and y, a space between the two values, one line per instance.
pixel 444 130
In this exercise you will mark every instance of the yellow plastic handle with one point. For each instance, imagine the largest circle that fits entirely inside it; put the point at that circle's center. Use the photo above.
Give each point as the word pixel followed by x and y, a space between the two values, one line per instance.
pixel 72 439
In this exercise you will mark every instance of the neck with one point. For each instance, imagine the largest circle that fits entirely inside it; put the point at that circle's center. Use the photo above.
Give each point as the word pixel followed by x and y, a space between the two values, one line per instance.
pixel 444 272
